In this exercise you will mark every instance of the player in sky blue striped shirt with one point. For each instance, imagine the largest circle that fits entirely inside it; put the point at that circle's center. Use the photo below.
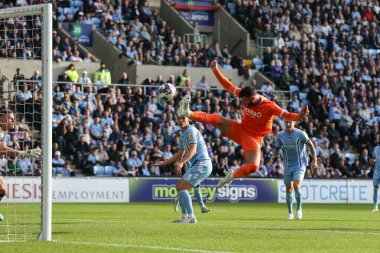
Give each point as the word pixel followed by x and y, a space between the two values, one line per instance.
pixel 292 141
pixel 376 177
pixel 192 151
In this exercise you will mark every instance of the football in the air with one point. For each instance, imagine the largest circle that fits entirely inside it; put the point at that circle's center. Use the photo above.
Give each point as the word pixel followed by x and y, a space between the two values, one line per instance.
pixel 167 92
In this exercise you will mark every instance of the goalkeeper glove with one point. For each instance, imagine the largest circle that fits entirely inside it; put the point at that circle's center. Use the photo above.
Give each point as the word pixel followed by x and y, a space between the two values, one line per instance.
pixel 32 153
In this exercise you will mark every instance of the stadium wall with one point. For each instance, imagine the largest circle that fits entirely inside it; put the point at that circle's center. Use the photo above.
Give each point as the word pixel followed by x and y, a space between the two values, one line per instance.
pixel 136 73
pixel 124 190
pixel 228 31
pixel 109 54
pixel 195 73
pixel 8 67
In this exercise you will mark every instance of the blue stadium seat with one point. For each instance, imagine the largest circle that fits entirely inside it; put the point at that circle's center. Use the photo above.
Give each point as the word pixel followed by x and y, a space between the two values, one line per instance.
pixel 61 17
pixel 303 97
pixel 67 10
pixel 108 170
pixel 98 170
pixel 372 53
pixel 95 21
pixel 258 63
pixel 78 3
pixel 293 88
pixel 351 157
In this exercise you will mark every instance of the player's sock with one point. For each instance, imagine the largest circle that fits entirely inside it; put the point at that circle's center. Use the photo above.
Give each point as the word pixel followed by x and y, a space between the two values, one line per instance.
pixel 198 196
pixel 289 201
pixel 183 210
pixel 245 170
pixel 298 199
pixel 186 201
pixel 375 198
pixel 205 118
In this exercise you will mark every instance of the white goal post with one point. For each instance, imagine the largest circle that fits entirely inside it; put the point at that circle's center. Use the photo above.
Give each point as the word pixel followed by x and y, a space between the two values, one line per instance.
pixel 45 11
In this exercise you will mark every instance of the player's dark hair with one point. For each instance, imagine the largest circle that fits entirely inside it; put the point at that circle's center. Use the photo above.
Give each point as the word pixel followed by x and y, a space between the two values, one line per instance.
pixel 247 91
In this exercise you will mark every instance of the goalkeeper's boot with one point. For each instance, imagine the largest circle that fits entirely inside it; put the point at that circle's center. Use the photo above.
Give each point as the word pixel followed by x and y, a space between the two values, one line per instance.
pixel 299 215
pixel 184 107
pixel 290 216
pixel 175 204
pixel 375 210
pixel 205 209
pixel 227 179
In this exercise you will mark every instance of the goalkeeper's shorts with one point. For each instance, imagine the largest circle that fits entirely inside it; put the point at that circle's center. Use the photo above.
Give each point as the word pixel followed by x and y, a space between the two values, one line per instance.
pixel 247 140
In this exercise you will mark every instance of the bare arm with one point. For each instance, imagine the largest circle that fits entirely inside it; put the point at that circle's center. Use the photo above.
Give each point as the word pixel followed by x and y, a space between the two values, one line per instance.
pixel 274 155
pixel 296 116
pixel 313 154
pixel 172 159
pixel 179 164
pixel 190 154
pixel 14 152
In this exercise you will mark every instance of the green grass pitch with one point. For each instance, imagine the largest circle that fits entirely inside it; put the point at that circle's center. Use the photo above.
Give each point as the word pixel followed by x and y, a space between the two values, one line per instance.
pixel 230 227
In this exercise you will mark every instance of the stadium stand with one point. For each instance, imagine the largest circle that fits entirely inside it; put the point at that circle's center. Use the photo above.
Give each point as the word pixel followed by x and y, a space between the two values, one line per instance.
pixel 325 52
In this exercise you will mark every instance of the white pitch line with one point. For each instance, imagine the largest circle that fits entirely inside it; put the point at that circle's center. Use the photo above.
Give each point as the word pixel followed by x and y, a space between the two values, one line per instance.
pixel 141 246
pixel 342 232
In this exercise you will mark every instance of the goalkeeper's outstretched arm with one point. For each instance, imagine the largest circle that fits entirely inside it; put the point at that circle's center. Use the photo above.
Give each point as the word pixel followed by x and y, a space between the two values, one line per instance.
pixel 7 122
pixel 224 80
pixel 295 116
pixel 32 153
pixel 3 188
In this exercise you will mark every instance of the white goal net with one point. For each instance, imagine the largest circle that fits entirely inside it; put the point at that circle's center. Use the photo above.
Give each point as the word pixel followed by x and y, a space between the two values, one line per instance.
pixel 25 121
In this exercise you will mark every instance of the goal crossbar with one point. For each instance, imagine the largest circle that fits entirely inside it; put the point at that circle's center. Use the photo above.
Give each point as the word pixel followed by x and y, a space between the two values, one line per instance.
pixel 25 10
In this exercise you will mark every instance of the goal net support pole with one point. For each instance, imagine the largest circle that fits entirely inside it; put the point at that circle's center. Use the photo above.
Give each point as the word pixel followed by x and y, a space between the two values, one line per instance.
pixel 47 128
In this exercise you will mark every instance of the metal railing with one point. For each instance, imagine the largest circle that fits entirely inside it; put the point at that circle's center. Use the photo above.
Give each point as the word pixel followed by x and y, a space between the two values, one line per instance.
pixel 265 42
pixel 194 39
pixel 284 96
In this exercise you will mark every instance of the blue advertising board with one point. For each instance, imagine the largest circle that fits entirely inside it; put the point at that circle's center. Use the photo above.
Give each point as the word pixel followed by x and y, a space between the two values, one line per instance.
pixel 204 18
pixel 80 32
pixel 163 189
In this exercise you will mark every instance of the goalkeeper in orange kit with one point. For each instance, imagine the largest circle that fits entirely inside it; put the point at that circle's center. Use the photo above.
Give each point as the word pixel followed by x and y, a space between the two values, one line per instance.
pixel 256 123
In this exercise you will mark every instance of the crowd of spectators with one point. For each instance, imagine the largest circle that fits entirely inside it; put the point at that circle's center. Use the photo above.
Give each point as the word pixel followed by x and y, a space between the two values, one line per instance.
pixel 143 36
pixel 121 130
pixel 21 37
pixel 137 31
